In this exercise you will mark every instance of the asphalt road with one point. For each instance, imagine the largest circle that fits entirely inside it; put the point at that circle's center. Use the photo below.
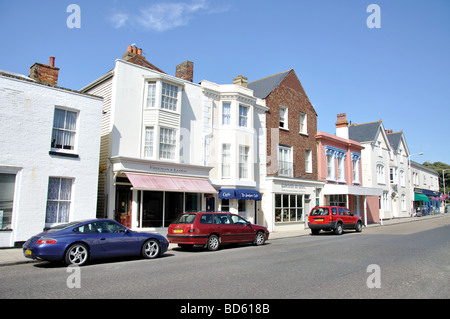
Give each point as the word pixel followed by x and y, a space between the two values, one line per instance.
pixel 398 261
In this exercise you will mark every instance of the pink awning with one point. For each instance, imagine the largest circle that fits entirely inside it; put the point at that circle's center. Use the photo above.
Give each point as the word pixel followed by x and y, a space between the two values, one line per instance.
pixel 168 183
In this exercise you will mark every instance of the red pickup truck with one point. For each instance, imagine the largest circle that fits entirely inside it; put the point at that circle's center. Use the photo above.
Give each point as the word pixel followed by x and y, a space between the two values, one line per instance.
pixel 333 218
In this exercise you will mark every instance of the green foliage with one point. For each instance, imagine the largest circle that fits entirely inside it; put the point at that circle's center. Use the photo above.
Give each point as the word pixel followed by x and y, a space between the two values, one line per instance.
pixel 439 167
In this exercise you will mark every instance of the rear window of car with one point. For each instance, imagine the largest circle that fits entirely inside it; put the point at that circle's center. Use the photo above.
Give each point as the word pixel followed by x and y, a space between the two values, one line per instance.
pixel 320 211
pixel 185 219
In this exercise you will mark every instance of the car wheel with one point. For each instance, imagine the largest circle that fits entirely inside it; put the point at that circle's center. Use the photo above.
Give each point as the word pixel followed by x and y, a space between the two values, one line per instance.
pixel 260 239
pixel 338 230
pixel 213 242
pixel 358 227
pixel 150 249
pixel 77 254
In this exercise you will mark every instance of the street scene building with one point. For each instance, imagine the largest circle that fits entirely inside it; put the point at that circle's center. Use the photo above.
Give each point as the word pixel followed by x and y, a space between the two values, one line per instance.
pixel 141 146
pixel 50 139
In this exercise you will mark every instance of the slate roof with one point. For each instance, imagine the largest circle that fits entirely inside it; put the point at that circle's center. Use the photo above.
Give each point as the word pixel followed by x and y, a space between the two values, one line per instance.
pixel 364 132
pixel 395 139
pixel 262 88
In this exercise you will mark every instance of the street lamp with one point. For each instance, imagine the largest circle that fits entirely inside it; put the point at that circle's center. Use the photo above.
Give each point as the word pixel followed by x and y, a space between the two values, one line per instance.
pixel 443 179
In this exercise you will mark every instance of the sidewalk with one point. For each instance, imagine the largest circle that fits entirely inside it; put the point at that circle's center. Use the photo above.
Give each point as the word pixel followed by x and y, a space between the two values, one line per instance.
pixel 13 256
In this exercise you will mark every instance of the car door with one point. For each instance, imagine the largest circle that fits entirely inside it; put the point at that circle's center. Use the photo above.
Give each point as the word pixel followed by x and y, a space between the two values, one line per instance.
pixel 116 240
pixel 343 217
pixel 351 219
pixel 224 227
pixel 242 230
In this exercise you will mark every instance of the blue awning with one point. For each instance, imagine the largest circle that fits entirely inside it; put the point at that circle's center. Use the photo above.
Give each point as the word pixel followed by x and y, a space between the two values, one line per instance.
pixel 248 194
pixel 240 193
pixel 227 193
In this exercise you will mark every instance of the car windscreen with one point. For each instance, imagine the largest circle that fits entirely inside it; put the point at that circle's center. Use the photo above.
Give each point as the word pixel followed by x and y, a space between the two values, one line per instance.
pixel 319 211
pixel 185 219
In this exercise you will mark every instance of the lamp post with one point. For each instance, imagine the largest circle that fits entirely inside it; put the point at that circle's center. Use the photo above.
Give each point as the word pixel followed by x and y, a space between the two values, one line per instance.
pixel 443 180
pixel 410 182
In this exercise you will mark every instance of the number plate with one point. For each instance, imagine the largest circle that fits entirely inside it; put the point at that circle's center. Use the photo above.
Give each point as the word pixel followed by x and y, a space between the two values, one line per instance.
pixel 319 219
pixel 177 231
pixel 27 252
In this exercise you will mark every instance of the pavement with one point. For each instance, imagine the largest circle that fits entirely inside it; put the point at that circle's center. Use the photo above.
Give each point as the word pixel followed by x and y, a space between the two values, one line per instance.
pixel 14 256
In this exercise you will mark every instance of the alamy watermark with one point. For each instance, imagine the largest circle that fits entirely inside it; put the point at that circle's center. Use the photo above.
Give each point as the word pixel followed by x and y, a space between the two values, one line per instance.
pixel 74 279
pixel 74 19
pixel 374 279
pixel 374 19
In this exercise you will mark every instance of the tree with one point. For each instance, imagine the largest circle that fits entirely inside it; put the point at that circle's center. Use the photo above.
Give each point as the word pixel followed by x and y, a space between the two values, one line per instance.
pixel 439 167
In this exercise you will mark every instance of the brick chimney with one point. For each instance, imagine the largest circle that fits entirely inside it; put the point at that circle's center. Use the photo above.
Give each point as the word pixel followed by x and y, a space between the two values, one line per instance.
pixel 185 71
pixel 241 80
pixel 132 51
pixel 342 126
pixel 45 74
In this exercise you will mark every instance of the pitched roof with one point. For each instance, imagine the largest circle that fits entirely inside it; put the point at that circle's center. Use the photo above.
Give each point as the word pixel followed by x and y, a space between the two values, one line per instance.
pixel 364 132
pixel 263 87
pixel 395 139
pixel 141 61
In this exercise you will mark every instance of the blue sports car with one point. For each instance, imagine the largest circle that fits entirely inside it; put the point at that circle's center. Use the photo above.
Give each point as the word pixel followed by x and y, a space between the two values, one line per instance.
pixel 78 242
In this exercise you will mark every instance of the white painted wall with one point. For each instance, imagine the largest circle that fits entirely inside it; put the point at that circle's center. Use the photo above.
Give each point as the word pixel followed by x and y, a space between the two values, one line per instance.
pixel 26 117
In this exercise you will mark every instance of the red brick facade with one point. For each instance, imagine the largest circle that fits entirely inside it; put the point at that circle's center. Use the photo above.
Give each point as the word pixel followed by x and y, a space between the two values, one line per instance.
pixel 290 93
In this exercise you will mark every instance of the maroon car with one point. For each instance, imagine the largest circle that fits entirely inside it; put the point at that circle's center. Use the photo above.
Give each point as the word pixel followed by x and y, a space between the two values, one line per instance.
pixel 211 229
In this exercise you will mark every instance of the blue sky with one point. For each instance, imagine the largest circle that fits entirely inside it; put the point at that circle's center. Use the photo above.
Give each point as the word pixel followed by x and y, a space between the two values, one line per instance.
pixel 399 73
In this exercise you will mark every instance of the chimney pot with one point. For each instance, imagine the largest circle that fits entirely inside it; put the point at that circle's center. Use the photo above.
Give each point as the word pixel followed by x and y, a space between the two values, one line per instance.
pixel 52 61
pixel 342 126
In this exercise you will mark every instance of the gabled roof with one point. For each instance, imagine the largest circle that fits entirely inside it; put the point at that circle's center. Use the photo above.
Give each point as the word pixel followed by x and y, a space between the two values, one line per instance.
pixel 396 139
pixel 263 87
pixel 367 132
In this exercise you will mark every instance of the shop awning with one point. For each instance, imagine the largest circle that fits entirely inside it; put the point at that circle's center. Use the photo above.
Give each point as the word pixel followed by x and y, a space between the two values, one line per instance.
pixel 239 193
pixel 421 198
pixel 169 183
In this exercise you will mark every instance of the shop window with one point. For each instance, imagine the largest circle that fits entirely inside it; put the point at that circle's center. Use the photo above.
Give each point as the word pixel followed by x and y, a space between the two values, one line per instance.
pixel 225 207
pixel 288 208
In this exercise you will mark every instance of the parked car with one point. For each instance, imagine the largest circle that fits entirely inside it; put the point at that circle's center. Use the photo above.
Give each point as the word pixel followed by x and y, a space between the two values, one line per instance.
pixel 333 218
pixel 81 241
pixel 211 229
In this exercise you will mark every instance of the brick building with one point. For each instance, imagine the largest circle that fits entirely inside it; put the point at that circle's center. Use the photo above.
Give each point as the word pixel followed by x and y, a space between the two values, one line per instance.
pixel 291 187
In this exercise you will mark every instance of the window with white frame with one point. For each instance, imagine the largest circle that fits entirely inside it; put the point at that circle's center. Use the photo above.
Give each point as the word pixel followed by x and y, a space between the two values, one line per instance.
pixel 226 160
pixel 7 187
pixel 226 113
pixel 285 163
pixel 169 96
pixel 355 167
pixel 288 208
pixel 380 174
pixel 393 175
pixel 167 143
pixel 330 167
pixel 402 178
pixel 64 129
pixel 151 94
pixel 243 162
pixel 341 167
pixel 308 161
pixel 243 116
pixel 303 123
pixel 148 143
pixel 283 117
pixel 59 198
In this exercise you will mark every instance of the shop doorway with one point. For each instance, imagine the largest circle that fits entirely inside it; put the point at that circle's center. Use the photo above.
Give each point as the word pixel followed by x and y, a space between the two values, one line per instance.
pixel 123 205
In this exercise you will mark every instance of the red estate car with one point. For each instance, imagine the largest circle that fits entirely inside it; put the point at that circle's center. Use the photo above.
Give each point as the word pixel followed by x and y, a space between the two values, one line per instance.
pixel 333 218
pixel 211 229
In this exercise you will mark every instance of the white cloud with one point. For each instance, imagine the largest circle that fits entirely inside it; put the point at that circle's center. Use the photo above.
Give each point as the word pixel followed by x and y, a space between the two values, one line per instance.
pixel 165 16
pixel 119 20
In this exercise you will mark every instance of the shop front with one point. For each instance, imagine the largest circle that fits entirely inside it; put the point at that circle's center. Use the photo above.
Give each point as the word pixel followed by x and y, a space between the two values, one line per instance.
pixel 426 202
pixel 287 201
pixel 241 201
pixel 149 195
